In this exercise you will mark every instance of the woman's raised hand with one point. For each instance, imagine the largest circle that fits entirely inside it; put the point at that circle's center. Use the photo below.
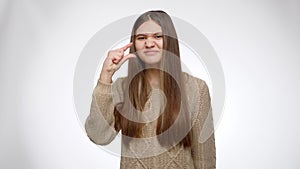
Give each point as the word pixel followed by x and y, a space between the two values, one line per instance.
pixel 114 60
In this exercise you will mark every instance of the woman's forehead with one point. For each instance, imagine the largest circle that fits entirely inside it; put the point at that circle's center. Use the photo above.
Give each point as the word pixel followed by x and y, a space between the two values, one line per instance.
pixel 149 27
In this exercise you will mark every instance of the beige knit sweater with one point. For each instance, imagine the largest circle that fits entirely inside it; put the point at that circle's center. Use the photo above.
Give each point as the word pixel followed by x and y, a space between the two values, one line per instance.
pixel 147 152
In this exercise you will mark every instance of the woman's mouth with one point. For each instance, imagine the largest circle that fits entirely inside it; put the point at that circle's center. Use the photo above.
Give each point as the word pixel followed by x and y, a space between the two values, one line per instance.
pixel 151 52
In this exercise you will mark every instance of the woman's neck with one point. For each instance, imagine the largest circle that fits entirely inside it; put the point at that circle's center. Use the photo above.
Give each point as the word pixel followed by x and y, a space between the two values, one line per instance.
pixel 153 77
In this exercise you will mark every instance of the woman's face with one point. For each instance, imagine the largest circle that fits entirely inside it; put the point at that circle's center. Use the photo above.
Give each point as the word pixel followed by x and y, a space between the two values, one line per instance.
pixel 149 43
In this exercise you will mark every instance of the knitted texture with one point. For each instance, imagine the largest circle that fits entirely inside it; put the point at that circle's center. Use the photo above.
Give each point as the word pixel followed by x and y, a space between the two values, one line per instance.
pixel 146 152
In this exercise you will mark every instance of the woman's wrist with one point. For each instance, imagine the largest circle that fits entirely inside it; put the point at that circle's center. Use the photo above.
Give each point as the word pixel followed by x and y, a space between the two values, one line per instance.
pixel 105 77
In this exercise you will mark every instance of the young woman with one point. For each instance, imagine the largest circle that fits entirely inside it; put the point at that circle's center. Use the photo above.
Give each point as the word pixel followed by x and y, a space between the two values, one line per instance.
pixel 159 109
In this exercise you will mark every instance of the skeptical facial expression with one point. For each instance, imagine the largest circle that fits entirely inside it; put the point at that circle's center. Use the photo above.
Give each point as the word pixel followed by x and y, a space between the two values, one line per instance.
pixel 149 43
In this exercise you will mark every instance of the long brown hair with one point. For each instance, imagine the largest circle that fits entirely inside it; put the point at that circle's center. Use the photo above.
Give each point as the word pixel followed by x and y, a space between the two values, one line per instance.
pixel 172 85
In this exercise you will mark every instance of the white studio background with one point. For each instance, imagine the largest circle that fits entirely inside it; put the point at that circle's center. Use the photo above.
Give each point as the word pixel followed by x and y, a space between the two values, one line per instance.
pixel 257 43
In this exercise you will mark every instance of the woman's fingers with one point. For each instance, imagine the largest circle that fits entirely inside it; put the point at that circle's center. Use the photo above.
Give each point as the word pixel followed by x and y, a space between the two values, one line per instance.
pixel 116 58
pixel 126 57
pixel 124 48
pixel 116 61
pixel 118 54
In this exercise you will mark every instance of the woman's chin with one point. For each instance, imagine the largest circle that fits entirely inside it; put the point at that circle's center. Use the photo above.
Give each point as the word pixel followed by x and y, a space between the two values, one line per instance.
pixel 151 61
pixel 152 64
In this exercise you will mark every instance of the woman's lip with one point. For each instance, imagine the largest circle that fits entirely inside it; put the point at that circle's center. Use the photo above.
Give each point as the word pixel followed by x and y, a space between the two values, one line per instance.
pixel 151 52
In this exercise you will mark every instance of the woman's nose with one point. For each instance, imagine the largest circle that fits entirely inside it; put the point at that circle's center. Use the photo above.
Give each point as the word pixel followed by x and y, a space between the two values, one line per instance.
pixel 149 43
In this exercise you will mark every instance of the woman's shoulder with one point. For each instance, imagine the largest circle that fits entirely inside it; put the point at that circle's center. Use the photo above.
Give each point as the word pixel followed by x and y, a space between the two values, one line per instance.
pixel 195 87
pixel 119 81
pixel 118 89
pixel 193 81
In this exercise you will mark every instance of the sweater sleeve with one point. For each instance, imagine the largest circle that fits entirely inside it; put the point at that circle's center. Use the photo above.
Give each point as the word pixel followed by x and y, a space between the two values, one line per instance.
pixel 99 125
pixel 203 144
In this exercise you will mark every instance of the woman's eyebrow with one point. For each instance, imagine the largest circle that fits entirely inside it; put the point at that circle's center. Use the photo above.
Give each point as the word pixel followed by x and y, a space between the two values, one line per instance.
pixel 147 34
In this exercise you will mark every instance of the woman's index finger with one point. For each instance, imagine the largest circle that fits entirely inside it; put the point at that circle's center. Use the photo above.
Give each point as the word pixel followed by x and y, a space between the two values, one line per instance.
pixel 124 48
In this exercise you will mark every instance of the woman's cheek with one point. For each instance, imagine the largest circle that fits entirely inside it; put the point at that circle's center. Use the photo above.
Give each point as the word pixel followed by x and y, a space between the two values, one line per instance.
pixel 138 46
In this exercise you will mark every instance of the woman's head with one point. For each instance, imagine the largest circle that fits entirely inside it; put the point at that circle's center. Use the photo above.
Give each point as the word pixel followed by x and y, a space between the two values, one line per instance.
pixel 153 35
pixel 155 43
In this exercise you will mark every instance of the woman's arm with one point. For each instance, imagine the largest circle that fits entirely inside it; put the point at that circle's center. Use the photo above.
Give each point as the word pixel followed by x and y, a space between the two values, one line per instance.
pixel 99 124
pixel 203 144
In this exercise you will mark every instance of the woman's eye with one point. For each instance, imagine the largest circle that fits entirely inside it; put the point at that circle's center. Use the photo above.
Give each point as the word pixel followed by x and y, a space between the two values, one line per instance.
pixel 141 38
pixel 158 36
